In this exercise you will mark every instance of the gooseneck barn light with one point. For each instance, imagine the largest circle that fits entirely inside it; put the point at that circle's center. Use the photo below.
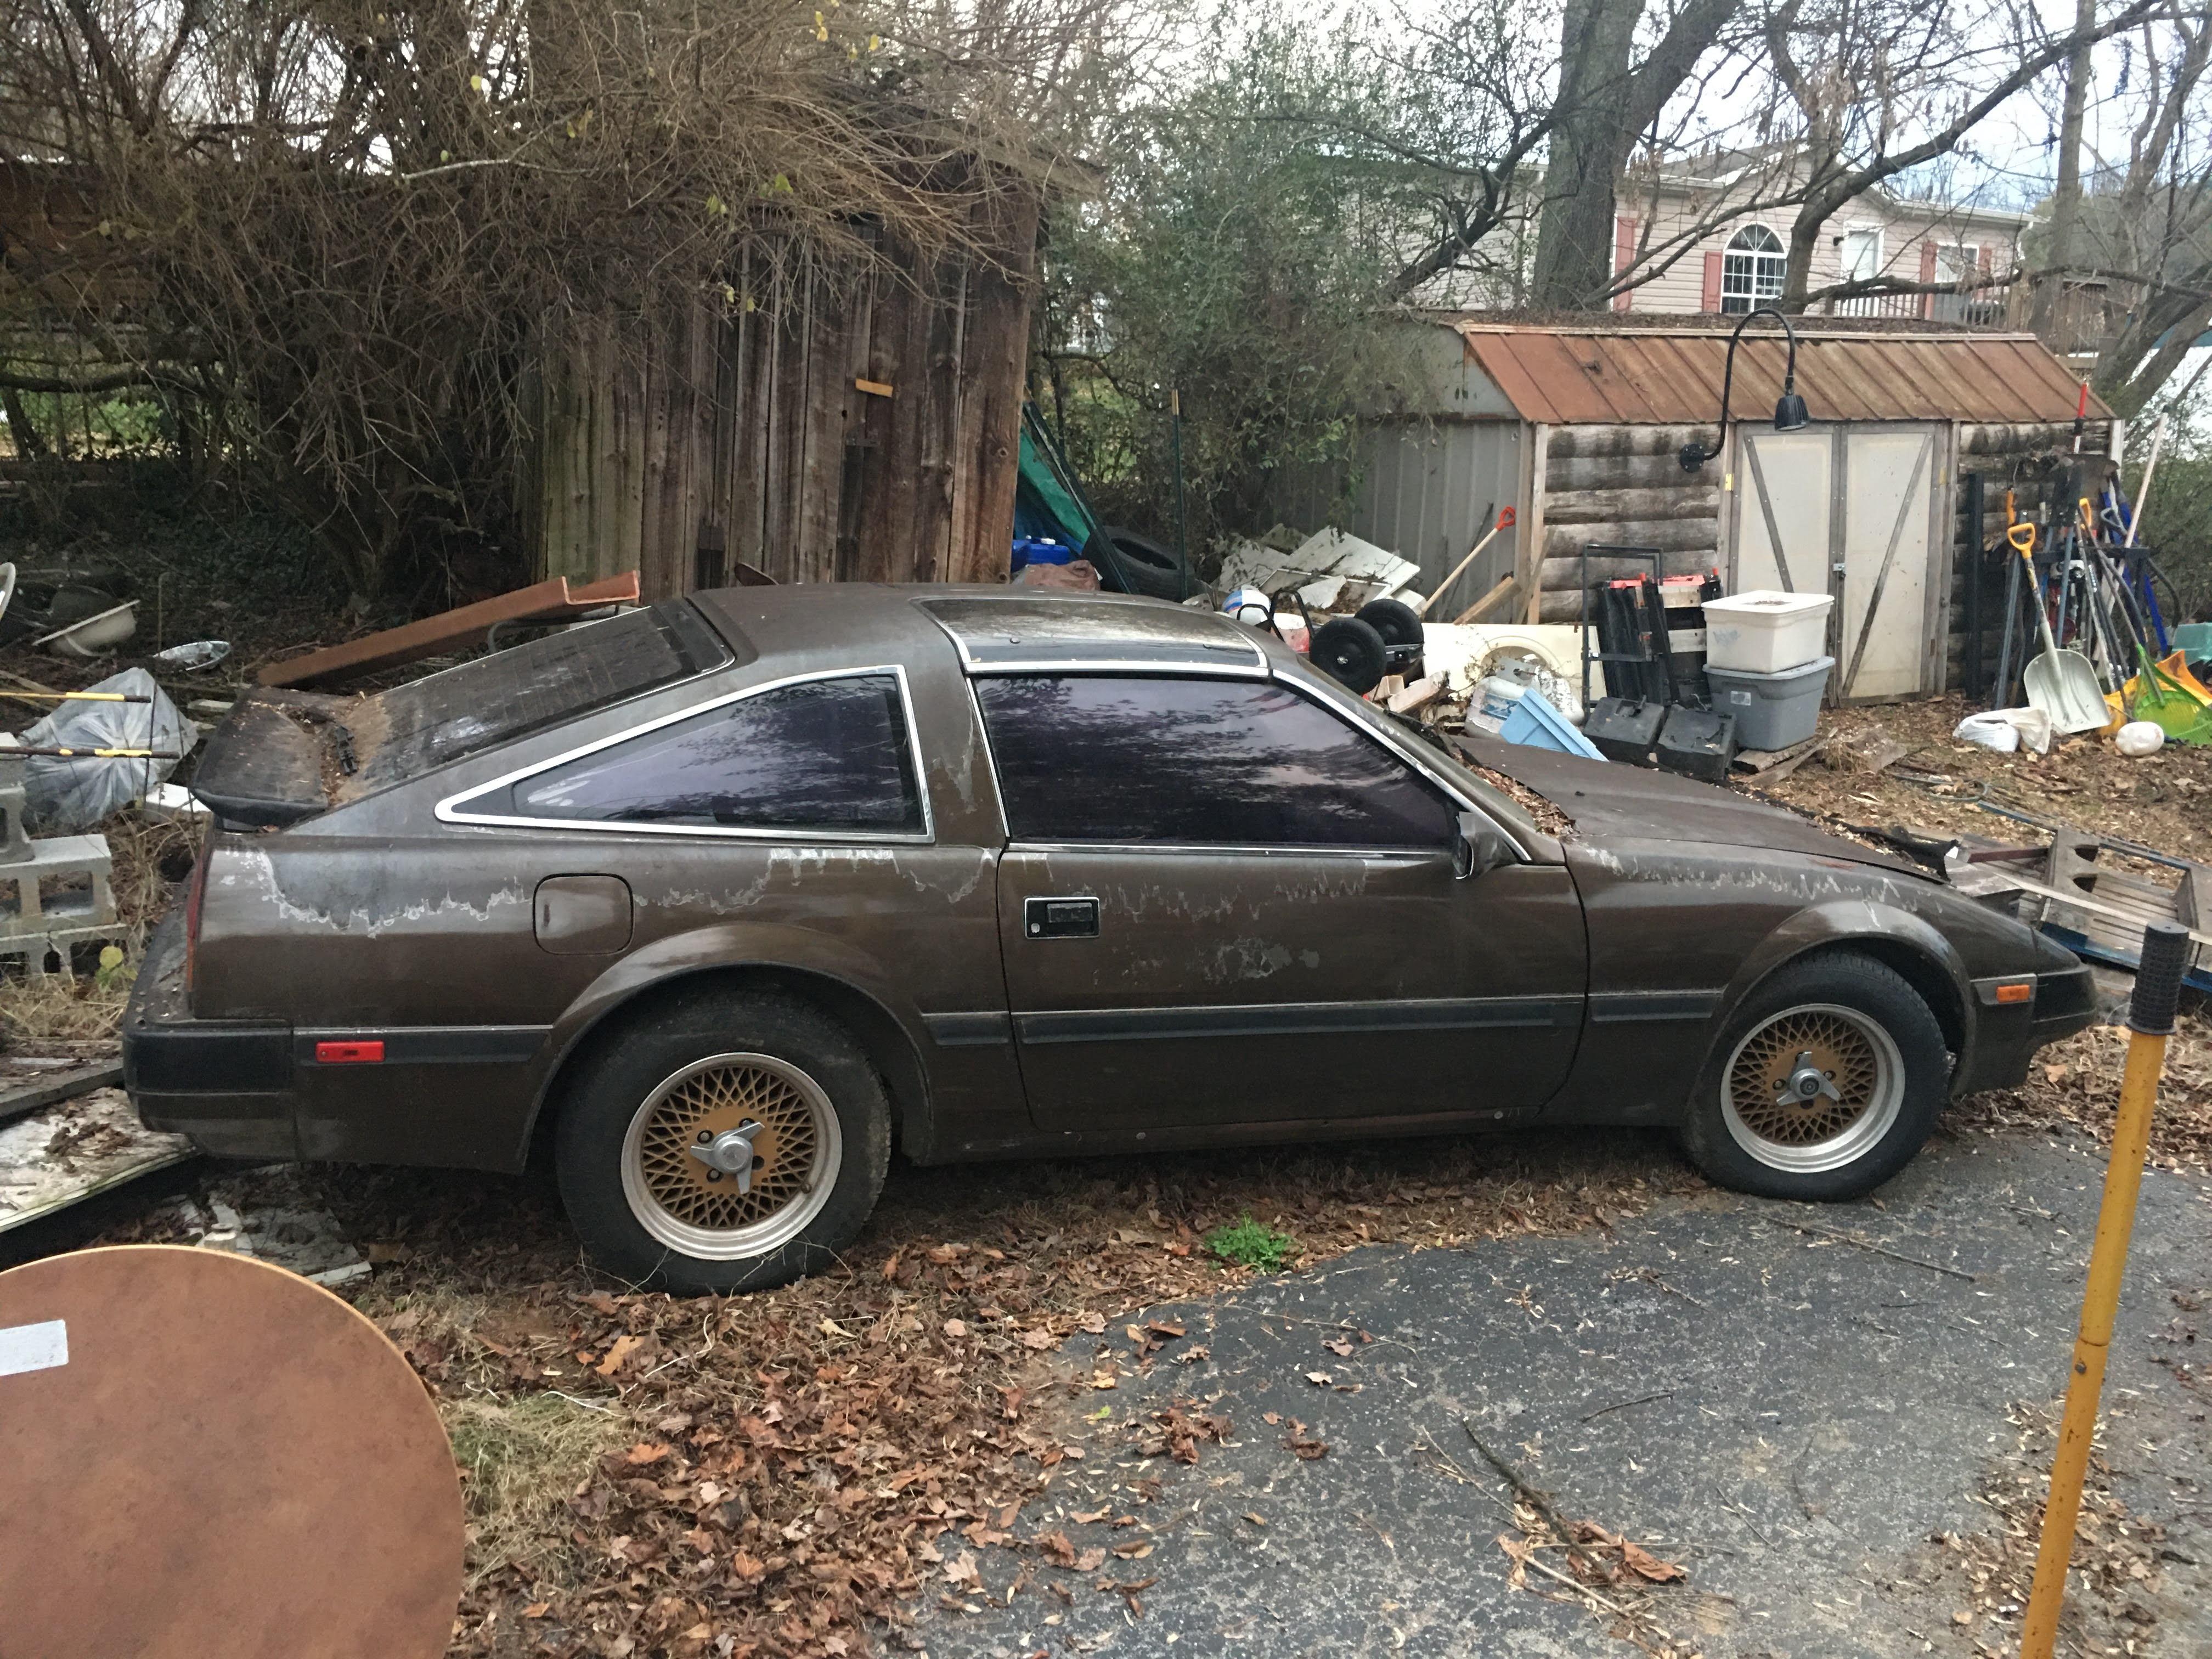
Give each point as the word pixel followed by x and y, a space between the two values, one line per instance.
pixel 1789 409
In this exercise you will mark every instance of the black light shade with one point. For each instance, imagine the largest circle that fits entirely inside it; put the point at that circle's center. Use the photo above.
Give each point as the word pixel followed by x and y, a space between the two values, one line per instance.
pixel 1789 412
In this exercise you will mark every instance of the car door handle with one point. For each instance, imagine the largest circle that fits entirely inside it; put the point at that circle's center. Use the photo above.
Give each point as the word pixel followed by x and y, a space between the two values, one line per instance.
pixel 1074 917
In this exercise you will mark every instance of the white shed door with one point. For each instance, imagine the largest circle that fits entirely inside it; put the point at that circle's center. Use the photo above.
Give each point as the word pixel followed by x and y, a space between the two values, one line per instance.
pixel 1783 494
pixel 1889 483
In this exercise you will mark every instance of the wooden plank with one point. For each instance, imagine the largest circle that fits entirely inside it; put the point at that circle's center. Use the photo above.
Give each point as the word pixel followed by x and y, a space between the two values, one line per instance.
pixel 66 1083
pixel 1529 533
pixel 545 601
pixel 1499 595
pixel 862 419
pixel 623 541
pixel 938 422
pixel 1761 761
pixel 659 489
pixel 887 524
pixel 1613 505
pixel 821 416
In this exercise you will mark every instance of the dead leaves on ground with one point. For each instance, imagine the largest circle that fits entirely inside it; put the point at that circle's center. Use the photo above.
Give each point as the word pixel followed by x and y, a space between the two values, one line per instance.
pixel 1307 1447
pixel 795 1468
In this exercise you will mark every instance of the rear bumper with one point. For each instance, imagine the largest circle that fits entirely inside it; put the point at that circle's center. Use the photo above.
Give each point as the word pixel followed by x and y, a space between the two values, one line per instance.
pixel 227 1084
pixel 2008 1034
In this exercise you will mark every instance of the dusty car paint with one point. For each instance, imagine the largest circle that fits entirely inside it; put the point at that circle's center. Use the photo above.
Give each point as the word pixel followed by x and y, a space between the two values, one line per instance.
pixel 1306 994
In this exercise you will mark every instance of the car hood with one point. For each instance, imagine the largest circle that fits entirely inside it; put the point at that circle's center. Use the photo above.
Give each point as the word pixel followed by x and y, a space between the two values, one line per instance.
pixel 1608 801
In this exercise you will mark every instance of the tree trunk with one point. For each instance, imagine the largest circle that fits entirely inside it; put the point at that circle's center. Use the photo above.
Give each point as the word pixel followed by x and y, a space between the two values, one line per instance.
pixel 1603 104
pixel 2066 198
pixel 1590 144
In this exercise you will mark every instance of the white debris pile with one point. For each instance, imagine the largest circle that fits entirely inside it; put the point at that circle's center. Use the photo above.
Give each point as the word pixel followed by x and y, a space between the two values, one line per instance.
pixel 64 1153
pixel 269 1215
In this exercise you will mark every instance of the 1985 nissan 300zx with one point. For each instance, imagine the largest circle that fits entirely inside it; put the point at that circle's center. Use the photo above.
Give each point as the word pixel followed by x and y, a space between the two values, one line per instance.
pixel 714 902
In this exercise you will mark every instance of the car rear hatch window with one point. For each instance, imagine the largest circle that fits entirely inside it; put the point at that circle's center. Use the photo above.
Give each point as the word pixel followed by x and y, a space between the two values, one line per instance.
pixel 282 756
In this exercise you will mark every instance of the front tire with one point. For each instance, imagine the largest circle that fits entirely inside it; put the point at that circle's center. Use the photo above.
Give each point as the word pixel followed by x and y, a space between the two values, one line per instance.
pixel 722 1143
pixel 1824 1085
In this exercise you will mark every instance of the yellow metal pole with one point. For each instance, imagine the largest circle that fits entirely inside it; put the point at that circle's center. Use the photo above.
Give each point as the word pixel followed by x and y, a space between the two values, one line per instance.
pixel 2150 1018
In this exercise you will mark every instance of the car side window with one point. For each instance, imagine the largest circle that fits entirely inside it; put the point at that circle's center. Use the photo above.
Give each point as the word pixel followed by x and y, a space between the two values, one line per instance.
pixel 1185 762
pixel 826 755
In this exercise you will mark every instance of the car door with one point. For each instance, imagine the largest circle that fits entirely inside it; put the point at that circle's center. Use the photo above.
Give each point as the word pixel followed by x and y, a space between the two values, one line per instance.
pixel 1223 902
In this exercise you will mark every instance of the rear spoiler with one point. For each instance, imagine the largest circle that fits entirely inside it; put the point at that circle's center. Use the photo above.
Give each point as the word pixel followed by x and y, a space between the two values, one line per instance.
pixel 277 758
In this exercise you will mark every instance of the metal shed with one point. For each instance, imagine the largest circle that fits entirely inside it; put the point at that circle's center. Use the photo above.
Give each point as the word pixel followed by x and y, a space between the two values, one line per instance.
pixel 1578 426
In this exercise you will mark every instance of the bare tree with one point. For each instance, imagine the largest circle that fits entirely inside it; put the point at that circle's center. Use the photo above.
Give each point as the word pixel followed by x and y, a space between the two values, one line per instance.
pixel 2147 234
pixel 342 229
pixel 1876 90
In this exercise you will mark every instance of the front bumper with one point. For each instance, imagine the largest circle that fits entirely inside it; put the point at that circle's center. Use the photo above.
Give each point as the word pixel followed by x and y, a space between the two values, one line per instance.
pixel 227 1084
pixel 2007 1034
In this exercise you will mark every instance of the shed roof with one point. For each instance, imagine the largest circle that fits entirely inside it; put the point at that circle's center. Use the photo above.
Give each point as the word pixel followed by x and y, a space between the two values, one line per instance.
pixel 1568 376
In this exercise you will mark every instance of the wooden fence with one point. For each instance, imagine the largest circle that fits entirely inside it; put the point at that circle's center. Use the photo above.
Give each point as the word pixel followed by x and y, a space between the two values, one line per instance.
pixel 853 432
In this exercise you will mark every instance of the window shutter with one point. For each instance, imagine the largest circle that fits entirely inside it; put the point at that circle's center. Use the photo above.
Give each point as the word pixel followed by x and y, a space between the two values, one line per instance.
pixel 1624 255
pixel 1712 299
pixel 1928 274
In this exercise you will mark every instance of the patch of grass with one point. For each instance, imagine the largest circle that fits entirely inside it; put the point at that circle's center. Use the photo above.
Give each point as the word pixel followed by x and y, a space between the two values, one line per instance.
pixel 1248 1243
pixel 519 1459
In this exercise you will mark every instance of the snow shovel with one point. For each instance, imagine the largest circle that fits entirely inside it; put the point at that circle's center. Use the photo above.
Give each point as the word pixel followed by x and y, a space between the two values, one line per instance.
pixel 2061 683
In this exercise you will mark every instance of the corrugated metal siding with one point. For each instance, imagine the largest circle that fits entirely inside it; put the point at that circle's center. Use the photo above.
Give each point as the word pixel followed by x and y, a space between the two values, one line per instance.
pixel 1421 493
pixel 1657 377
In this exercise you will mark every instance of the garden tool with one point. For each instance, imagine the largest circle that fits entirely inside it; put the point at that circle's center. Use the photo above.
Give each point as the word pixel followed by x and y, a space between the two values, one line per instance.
pixel 2061 683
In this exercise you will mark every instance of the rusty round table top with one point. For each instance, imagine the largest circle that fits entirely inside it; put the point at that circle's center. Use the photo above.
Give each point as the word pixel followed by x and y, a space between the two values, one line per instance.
pixel 202 1455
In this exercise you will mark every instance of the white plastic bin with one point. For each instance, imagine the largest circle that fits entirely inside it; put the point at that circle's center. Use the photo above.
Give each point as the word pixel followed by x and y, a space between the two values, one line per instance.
pixel 1763 632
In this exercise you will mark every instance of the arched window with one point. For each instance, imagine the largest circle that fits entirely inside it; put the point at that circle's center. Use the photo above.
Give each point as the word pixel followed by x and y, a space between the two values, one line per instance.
pixel 1751 269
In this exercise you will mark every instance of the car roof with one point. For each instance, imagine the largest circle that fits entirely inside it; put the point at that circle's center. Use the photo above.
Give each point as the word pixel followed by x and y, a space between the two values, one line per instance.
pixel 995 629
pixel 1001 634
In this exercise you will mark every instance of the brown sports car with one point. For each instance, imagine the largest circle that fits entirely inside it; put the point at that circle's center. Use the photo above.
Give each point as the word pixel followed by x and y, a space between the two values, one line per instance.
pixel 713 902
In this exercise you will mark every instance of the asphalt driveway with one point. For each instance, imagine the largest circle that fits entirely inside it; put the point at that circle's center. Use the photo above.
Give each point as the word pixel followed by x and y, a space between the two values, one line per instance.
pixel 1793 1417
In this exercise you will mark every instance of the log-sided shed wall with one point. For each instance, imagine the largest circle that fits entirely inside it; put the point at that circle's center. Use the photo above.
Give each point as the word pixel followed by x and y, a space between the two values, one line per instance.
pixel 850 431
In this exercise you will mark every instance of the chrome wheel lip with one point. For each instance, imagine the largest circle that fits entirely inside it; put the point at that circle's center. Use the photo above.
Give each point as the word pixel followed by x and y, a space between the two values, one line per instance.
pixel 763 1236
pixel 1860 1137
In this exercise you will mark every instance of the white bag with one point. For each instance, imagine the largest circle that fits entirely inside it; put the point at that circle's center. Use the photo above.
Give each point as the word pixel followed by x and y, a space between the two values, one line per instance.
pixel 63 796
pixel 2005 730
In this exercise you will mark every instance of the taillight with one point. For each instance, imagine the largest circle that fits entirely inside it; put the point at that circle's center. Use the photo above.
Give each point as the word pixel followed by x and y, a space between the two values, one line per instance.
pixel 195 894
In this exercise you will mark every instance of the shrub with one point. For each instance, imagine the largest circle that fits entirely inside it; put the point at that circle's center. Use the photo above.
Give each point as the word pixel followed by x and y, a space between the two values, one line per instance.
pixel 1248 1243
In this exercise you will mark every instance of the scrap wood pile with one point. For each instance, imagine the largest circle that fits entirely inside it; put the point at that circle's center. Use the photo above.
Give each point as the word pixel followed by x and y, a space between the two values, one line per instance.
pixel 783 1473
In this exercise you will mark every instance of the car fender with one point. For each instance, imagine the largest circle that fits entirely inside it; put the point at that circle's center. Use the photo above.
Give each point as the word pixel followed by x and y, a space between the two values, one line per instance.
pixel 766 947
pixel 1886 929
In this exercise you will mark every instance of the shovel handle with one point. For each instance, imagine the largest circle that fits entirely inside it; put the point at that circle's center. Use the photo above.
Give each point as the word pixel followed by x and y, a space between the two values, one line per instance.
pixel 2022 537
pixel 1505 521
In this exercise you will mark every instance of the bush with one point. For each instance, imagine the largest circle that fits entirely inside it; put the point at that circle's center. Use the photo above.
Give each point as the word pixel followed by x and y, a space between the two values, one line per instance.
pixel 2177 527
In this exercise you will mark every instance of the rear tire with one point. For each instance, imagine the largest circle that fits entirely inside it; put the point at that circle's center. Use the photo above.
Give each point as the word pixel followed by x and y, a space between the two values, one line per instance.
pixel 768 1074
pixel 1823 1085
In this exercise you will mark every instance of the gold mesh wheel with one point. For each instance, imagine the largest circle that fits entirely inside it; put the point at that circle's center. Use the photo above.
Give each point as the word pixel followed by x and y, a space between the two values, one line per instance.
pixel 686 1202
pixel 1812 1087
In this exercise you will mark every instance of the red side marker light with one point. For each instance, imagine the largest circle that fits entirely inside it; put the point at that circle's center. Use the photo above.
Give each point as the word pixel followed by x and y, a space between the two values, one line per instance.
pixel 350 1054
pixel 2024 991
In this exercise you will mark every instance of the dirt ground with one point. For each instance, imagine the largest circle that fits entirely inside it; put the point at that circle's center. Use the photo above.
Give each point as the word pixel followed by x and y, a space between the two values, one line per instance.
pixel 804 1471
pixel 2162 801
